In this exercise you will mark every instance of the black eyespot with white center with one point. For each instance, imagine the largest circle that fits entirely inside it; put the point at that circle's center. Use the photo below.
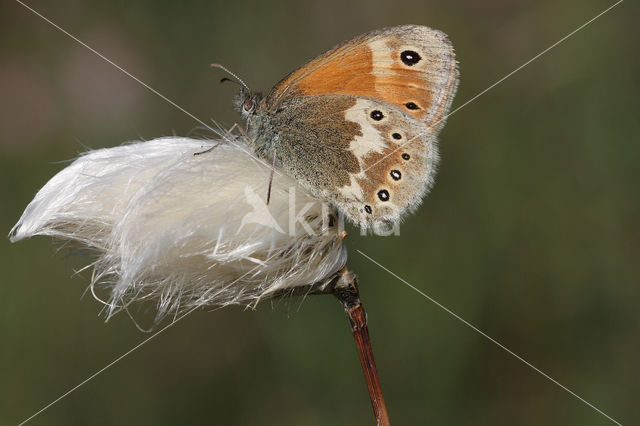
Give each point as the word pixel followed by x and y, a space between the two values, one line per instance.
pixel 395 174
pixel 396 136
pixel 377 115
pixel 383 194
pixel 411 105
pixel 410 58
pixel 368 209
pixel 406 156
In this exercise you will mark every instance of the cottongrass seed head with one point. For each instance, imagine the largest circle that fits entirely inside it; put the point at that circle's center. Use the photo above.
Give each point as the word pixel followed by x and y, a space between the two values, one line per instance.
pixel 184 230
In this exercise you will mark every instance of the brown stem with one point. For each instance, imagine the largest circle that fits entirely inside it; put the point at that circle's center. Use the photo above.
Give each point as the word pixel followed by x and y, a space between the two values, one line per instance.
pixel 344 286
pixel 346 290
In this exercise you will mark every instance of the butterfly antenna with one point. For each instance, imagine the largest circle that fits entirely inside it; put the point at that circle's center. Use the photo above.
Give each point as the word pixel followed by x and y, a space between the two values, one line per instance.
pixel 222 67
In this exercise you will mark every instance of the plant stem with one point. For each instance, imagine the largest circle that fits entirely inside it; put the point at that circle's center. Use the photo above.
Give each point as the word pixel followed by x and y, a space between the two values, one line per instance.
pixel 346 290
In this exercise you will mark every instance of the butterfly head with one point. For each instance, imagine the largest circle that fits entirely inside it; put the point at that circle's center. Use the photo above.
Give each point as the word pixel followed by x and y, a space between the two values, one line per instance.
pixel 247 102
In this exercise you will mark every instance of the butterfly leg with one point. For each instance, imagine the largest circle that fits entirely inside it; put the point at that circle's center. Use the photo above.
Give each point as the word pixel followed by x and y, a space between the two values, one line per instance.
pixel 224 138
pixel 245 133
pixel 273 168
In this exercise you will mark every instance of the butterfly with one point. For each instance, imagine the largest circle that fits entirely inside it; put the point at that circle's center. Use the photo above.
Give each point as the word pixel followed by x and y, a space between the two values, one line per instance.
pixel 357 126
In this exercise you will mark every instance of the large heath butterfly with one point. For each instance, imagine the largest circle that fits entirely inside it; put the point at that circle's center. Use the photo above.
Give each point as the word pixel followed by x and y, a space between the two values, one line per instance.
pixel 357 125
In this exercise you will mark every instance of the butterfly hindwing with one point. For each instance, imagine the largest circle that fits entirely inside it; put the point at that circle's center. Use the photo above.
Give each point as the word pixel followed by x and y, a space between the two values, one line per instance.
pixel 369 158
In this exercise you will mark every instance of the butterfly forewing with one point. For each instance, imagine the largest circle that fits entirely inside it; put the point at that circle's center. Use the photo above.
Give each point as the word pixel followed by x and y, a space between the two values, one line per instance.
pixel 412 67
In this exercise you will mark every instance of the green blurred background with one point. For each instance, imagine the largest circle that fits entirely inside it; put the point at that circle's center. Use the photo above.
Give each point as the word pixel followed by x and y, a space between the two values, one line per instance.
pixel 531 232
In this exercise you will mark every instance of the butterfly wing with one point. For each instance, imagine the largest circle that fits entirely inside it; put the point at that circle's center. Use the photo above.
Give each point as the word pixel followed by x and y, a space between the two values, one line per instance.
pixel 369 158
pixel 358 124
pixel 409 66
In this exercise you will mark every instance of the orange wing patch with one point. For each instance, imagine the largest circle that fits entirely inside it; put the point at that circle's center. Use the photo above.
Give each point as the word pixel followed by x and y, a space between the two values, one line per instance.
pixel 347 74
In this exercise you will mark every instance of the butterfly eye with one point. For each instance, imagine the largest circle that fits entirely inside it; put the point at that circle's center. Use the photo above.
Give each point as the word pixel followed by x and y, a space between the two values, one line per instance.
pixel 248 105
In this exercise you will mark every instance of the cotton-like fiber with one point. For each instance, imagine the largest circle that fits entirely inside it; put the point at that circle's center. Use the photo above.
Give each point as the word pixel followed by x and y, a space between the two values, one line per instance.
pixel 186 230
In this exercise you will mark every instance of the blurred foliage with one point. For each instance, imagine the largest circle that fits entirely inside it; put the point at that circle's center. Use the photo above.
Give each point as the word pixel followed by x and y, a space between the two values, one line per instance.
pixel 531 232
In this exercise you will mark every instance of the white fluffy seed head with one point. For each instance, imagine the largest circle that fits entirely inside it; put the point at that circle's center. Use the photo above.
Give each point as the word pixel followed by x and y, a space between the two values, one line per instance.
pixel 186 230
